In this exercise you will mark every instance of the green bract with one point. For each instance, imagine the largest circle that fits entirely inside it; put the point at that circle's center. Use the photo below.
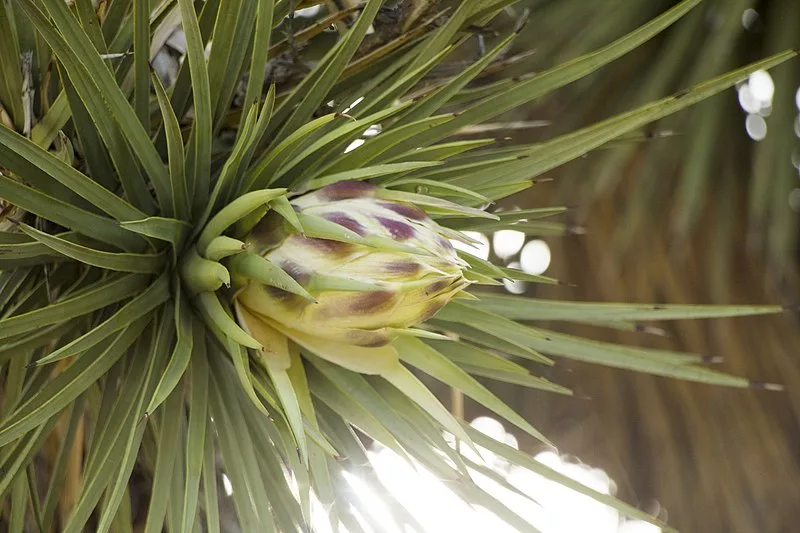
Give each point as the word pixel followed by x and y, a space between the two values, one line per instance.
pixel 214 270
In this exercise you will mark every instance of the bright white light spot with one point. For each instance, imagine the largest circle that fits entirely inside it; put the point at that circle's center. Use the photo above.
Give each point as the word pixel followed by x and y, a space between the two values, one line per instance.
pixel 514 286
pixel 638 527
pixel 507 242
pixel 756 127
pixel 535 257
pixel 747 100
pixel 355 103
pixel 353 145
pixel 749 17
pixel 480 249
pixel 226 484
pixel 797 98
pixel 761 86
pixel 373 130
pixel 308 12
pixel 794 200
pixel 378 507
pixel 554 509
pixel 490 427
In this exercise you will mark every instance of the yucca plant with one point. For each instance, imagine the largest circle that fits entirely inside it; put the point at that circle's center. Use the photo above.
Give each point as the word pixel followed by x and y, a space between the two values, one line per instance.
pixel 211 267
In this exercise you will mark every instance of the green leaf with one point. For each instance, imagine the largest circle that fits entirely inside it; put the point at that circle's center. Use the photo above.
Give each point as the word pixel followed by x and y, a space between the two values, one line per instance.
pixel 46 130
pixel 260 173
pixel 60 464
pixel 68 385
pixel 438 189
pixel 17 459
pixel 351 410
pixel 490 340
pixel 231 213
pixel 369 172
pixel 517 308
pixel 120 262
pixel 164 229
pixel 134 433
pixel 25 159
pixel 98 160
pixel 427 430
pixel 167 453
pixel 326 146
pixel 427 359
pixel 374 147
pixel 231 170
pixel 434 101
pixel 360 391
pixel 443 36
pixel 249 493
pixel 287 395
pixel 232 38
pixel 545 82
pixel 484 363
pixel 88 19
pixel 657 362
pixel 145 302
pixel 100 295
pixel 22 249
pixel 141 61
pixel 545 156
pixel 180 205
pixel 112 437
pixel 318 457
pixel 439 152
pixel 198 164
pixel 67 215
pixel 10 68
pixel 211 502
pixel 492 324
pixel 195 440
pixel 381 98
pixel 115 120
pixel 181 353
pixel 258 61
pixel 311 92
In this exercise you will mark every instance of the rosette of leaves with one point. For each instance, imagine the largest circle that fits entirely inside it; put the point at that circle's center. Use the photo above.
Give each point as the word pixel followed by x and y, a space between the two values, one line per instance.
pixel 131 208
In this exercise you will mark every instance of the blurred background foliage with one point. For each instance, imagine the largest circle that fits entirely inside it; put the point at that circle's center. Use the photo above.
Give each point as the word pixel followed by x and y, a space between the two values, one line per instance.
pixel 704 209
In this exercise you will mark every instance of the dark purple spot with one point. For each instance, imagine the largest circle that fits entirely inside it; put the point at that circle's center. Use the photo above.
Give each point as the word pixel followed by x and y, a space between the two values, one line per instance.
pixel 296 272
pixel 346 221
pixel 411 212
pixel 367 338
pixel 432 309
pixel 329 247
pixel 372 302
pixel 279 295
pixel 444 243
pixel 268 233
pixel 343 190
pixel 400 231
pixel 437 286
pixel 376 343
pixel 403 267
